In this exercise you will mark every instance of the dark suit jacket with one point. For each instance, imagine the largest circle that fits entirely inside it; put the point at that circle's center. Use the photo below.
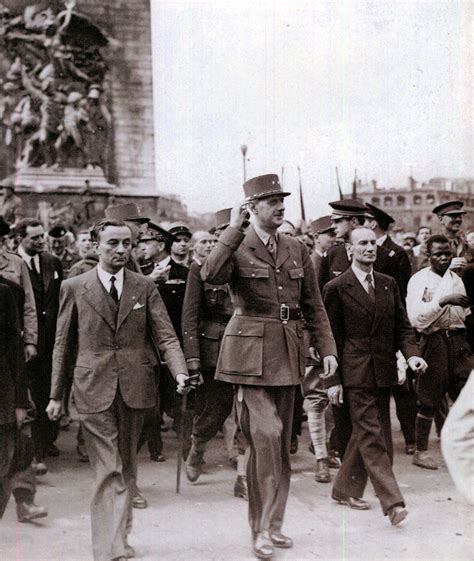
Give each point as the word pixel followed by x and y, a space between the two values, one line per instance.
pixel 13 383
pixel 258 348
pixel 335 262
pixel 403 272
pixel 367 339
pixel 207 309
pixel 46 291
pixel 112 349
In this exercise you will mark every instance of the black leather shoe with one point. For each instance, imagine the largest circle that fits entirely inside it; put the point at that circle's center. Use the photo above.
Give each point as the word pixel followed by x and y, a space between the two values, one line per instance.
pixel 280 540
pixel 240 488
pixel 29 511
pixel 262 546
pixel 157 458
pixel 194 463
pixel 397 514
pixel 139 501
pixel 322 474
pixel 410 449
pixel 353 502
pixel 334 462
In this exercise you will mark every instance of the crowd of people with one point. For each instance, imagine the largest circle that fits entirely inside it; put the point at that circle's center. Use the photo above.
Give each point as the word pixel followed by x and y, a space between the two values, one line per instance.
pixel 246 329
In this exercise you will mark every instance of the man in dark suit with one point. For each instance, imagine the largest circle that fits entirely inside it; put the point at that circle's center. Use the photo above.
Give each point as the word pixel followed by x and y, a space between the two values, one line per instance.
pixel 46 275
pixel 263 352
pixel 113 322
pixel 404 394
pixel 369 324
pixel 324 237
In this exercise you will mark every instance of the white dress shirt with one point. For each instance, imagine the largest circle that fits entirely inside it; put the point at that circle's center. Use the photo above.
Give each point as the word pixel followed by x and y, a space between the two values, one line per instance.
pixel 362 276
pixel 104 278
pixel 28 258
pixel 381 240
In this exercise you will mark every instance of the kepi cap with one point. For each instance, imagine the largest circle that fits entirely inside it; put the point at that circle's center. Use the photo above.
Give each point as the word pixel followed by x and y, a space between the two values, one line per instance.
pixel 380 216
pixel 222 217
pixel 126 211
pixel 155 232
pixel 263 186
pixel 322 225
pixel 449 207
pixel 179 228
pixel 347 208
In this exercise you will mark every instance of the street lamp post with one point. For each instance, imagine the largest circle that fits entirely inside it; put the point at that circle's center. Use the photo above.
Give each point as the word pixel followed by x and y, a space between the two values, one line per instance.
pixel 243 149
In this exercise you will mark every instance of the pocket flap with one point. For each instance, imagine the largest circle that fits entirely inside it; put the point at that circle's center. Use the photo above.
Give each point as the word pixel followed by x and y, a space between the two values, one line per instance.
pixel 296 273
pixel 253 273
pixel 246 330
pixel 210 330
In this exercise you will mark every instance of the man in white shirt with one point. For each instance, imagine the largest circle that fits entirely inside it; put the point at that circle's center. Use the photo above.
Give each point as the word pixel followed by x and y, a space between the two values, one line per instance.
pixel 437 306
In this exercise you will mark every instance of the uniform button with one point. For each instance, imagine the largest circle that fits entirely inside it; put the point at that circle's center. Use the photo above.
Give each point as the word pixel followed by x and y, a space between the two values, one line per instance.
pixel 253 274
pixel 280 288
pixel 278 270
pixel 44 313
pixel 214 289
pixel 284 322
pixel 239 332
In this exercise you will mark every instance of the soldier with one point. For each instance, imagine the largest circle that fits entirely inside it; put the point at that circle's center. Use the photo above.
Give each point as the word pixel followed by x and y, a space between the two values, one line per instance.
pixel 324 237
pixel 58 243
pixel 450 215
pixel 181 245
pixel 272 286
pixel 206 311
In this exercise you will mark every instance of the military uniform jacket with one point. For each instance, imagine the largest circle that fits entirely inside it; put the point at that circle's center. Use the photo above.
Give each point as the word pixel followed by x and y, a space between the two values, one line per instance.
pixel 367 335
pixel 336 261
pixel 403 272
pixel 112 348
pixel 207 309
pixel 258 348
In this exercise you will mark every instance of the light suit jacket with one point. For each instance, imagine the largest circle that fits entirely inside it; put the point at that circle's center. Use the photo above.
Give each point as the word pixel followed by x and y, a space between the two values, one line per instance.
pixel 112 349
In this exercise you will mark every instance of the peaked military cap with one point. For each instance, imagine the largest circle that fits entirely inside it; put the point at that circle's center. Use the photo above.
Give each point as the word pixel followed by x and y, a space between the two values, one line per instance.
pixel 263 186
pixel 126 211
pixel 57 231
pixel 347 208
pixel 222 217
pixel 382 217
pixel 449 207
pixel 4 227
pixel 322 225
pixel 155 232
pixel 179 228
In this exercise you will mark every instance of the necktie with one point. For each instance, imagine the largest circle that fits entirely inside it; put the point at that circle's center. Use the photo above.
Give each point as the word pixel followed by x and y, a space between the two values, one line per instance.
pixel 34 270
pixel 370 282
pixel 113 290
pixel 272 246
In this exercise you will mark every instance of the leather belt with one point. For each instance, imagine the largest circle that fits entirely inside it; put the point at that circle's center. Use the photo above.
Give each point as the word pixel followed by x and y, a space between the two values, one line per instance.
pixel 217 318
pixel 453 332
pixel 283 312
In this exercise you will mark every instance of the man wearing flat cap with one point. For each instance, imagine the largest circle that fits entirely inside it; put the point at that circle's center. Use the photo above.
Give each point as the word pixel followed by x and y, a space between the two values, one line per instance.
pixel 272 285
pixel 324 237
pixel 58 242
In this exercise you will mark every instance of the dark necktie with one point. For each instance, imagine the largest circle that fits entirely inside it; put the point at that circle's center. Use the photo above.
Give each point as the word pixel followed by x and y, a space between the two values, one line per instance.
pixel 34 270
pixel 113 290
pixel 272 247
pixel 370 282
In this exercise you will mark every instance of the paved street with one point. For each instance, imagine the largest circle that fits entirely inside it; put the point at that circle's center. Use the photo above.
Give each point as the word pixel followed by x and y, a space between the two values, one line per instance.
pixel 206 523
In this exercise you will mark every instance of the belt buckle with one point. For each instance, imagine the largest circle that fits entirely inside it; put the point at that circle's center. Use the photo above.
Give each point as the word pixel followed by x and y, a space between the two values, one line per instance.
pixel 284 312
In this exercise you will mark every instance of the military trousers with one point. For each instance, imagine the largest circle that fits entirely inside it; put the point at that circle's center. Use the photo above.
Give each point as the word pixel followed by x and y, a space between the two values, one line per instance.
pixel 265 415
pixel 111 438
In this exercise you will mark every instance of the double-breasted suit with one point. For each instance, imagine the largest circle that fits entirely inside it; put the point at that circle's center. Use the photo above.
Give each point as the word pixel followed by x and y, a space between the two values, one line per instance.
pixel 368 334
pixel 115 348
pixel 263 351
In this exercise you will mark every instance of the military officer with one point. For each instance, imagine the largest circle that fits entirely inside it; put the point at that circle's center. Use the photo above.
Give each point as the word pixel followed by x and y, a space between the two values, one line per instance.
pixel 273 285
pixel 58 242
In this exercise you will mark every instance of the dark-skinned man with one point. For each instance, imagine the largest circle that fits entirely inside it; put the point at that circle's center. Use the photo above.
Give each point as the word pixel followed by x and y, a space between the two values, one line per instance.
pixel 273 285
pixel 438 306
pixel 370 325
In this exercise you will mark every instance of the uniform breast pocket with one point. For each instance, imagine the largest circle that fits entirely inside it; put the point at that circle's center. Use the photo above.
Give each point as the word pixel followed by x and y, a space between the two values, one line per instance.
pixel 296 278
pixel 254 273
pixel 242 349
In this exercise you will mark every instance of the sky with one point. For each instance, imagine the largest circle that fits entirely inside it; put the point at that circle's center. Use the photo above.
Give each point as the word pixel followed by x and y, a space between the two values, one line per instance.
pixel 384 88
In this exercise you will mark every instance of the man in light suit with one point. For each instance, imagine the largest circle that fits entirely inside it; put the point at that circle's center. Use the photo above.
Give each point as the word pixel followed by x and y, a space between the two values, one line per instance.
pixel 113 322
pixel 272 285
pixel 370 325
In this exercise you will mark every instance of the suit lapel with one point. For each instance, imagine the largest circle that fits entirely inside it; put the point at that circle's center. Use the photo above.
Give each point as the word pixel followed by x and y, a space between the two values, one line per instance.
pixel 261 252
pixel 382 298
pixel 94 295
pixel 356 291
pixel 130 294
